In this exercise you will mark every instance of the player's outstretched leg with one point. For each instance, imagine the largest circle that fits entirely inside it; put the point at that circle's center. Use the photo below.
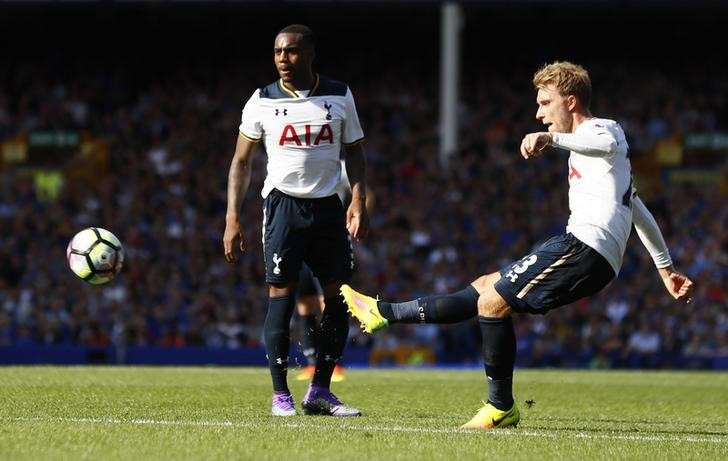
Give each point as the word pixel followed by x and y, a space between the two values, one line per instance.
pixel 375 315
pixel 499 341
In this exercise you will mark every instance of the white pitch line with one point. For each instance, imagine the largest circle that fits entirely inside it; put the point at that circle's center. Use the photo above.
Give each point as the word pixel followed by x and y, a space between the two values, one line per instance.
pixel 389 429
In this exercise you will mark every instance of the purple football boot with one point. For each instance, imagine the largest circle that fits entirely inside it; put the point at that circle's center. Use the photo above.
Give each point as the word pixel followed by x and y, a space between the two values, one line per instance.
pixel 321 401
pixel 282 404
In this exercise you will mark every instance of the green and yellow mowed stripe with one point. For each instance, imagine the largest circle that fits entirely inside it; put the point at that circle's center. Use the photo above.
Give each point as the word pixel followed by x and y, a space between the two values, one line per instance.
pixel 205 412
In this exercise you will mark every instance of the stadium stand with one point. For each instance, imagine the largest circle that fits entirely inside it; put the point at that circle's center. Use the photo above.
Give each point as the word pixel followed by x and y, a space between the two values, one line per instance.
pixel 168 132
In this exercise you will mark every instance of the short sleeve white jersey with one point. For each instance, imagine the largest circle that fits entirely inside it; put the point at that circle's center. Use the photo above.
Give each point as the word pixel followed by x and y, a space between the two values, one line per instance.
pixel 303 134
pixel 600 187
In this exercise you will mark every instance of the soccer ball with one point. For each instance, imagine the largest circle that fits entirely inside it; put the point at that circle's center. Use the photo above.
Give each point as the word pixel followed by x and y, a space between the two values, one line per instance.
pixel 95 255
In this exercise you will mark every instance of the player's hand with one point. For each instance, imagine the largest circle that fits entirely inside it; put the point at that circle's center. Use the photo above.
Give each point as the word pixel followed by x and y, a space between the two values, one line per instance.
pixel 677 284
pixel 357 219
pixel 534 143
pixel 233 234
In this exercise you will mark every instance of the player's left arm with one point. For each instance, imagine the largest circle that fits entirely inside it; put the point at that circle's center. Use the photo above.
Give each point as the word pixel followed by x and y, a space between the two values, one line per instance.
pixel 594 143
pixel 677 284
pixel 357 218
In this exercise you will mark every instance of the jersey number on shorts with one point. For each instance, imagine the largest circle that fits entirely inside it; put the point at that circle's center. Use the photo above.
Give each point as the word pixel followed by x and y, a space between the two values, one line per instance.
pixel 521 268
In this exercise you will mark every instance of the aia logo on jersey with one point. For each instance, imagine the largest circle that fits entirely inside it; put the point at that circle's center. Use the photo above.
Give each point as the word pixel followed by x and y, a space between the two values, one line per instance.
pixel 573 172
pixel 307 138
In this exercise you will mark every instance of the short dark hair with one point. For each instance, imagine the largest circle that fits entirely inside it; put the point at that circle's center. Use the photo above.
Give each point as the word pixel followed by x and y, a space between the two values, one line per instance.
pixel 307 36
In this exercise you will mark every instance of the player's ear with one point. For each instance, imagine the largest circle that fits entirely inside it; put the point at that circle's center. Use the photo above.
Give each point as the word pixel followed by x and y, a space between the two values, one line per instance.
pixel 571 102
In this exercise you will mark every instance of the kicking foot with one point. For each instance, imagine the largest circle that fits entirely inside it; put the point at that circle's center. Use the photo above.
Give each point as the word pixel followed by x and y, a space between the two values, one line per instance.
pixel 364 309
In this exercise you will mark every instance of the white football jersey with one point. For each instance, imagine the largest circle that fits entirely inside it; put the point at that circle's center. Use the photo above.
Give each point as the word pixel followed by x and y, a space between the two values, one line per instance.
pixel 303 133
pixel 600 188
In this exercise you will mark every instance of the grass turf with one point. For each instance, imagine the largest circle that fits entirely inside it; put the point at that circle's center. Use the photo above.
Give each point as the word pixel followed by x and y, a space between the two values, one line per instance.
pixel 223 413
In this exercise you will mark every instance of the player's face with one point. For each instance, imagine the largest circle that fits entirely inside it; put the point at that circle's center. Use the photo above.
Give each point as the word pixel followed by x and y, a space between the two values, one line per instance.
pixel 292 58
pixel 553 109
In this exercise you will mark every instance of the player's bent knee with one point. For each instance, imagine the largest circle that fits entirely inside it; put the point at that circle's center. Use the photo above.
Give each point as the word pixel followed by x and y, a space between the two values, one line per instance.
pixel 485 283
pixel 491 304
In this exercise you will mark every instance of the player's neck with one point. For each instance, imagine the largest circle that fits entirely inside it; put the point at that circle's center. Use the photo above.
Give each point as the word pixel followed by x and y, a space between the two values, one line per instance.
pixel 579 118
pixel 306 82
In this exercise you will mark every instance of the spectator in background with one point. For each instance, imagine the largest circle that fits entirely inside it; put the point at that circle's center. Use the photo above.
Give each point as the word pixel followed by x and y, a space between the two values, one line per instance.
pixel 168 216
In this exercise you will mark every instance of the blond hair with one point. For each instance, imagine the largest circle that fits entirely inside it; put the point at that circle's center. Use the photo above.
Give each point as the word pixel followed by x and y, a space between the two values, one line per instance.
pixel 569 79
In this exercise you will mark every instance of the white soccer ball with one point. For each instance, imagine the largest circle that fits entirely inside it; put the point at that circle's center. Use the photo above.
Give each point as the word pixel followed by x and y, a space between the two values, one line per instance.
pixel 95 255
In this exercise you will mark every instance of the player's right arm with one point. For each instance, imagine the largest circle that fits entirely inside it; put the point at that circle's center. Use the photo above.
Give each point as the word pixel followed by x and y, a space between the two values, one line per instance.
pixel 677 284
pixel 250 133
pixel 238 183
pixel 594 141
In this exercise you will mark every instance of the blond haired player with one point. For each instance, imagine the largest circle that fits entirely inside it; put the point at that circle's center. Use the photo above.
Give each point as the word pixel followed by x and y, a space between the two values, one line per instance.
pixel 579 263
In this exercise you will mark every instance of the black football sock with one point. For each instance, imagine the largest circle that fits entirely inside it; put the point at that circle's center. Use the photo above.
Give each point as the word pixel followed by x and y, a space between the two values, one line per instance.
pixel 309 337
pixel 276 332
pixel 499 352
pixel 333 333
pixel 449 308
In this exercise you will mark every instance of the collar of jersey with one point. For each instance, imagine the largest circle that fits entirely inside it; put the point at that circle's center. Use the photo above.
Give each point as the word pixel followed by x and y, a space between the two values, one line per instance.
pixel 293 94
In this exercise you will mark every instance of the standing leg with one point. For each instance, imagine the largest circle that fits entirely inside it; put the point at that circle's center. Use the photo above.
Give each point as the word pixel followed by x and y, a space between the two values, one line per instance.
pixel 284 244
pixel 499 343
pixel 499 357
pixel 331 259
pixel 334 332
pixel 333 336
pixel 276 332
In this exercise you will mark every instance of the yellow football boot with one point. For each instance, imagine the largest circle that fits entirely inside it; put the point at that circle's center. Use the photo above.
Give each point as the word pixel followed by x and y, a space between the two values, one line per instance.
pixel 364 309
pixel 489 417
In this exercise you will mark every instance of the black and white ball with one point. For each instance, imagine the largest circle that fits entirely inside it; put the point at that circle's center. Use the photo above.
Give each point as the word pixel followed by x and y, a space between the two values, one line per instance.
pixel 95 255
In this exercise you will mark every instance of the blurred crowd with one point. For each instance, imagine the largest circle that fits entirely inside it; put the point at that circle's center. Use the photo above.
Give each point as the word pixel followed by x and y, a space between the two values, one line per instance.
pixel 435 227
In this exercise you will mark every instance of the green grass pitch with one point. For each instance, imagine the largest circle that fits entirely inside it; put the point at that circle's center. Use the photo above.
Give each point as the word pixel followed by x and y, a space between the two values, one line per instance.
pixel 223 413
